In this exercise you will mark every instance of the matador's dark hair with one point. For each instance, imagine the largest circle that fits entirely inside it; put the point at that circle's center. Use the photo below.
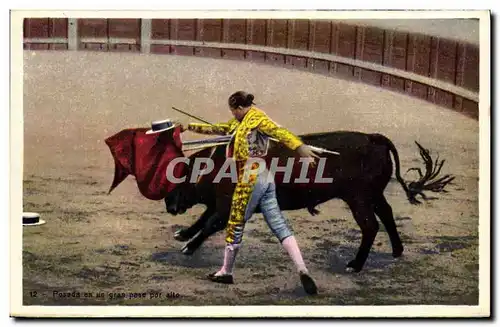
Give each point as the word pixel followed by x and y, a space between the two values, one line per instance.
pixel 240 99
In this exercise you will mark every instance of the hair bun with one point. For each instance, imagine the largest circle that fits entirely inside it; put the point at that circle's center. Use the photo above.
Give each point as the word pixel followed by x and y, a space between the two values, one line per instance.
pixel 240 99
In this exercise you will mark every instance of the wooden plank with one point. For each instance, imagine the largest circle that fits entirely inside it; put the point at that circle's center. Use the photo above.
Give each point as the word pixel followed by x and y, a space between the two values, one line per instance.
pixel 275 58
pixel 470 108
pixel 395 51
pixel 443 59
pixel 208 52
pixel 468 67
pixel 58 27
pixel 416 89
pixel 184 29
pixel 160 29
pixel 160 49
pixel 124 47
pixel 58 47
pixel 419 50
pixel 369 48
pixel 233 54
pixel 370 44
pixel 182 50
pixel 255 56
pixel 36 27
pixel 234 31
pixel 124 28
pixel 440 97
pixel 298 34
pixel 277 33
pixel 368 76
pixel 322 36
pixel 296 62
pixel 92 27
pixel 257 31
pixel 93 46
pixel 346 71
pixel 209 30
pixel 344 40
pixel 319 66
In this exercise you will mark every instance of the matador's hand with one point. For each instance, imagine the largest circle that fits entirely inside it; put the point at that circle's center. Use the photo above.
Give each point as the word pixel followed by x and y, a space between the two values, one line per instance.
pixel 306 152
pixel 181 127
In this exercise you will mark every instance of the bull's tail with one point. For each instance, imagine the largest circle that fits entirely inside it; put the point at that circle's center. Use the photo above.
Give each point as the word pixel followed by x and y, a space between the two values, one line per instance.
pixel 383 140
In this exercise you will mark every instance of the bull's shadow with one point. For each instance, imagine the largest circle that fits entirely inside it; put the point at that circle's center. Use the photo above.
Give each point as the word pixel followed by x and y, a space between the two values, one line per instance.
pixel 333 257
pixel 205 257
pixel 254 257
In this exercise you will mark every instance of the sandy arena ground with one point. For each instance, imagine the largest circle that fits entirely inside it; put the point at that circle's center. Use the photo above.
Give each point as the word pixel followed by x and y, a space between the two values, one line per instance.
pixel 95 242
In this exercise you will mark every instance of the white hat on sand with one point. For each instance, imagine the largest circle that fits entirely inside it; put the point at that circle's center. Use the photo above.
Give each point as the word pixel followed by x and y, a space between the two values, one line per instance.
pixel 160 126
pixel 32 219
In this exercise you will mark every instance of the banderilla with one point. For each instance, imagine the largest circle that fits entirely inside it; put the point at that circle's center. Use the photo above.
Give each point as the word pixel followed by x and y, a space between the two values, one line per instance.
pixel 192 116
pixel 314 148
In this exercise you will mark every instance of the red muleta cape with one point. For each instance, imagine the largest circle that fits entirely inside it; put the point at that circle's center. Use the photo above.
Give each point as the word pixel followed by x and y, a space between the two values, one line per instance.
pixel 146 157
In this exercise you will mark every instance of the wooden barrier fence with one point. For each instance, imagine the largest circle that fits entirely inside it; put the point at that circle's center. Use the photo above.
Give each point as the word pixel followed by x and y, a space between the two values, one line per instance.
pixel 442 71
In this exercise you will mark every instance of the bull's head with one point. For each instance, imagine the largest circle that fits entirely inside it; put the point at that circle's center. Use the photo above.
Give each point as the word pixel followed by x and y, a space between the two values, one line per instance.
pixel 180 199
pixel 193 187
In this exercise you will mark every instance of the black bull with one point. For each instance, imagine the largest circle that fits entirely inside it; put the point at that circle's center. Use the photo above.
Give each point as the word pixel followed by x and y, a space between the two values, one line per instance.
pixel 360 174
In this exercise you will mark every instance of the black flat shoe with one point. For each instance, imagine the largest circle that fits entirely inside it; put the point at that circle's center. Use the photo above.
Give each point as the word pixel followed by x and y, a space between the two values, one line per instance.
pixel 308 284
pixel 223 279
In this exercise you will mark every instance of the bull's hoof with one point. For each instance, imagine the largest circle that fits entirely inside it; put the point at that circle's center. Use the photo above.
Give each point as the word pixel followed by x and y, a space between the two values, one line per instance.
pixel 353 266
pixel 186 250
pixel 414 201
pixel 179 236
pixel 396 253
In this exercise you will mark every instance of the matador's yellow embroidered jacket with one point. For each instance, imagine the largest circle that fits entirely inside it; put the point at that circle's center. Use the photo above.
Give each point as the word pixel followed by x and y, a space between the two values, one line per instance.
pixel 244 146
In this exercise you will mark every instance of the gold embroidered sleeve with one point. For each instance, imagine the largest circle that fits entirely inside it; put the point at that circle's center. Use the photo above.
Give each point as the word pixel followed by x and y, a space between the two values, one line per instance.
pixel 286 137
pixel 219 129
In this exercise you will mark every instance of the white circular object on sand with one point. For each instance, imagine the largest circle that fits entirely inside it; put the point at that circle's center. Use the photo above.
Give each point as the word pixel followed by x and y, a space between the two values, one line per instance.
pixel 32 219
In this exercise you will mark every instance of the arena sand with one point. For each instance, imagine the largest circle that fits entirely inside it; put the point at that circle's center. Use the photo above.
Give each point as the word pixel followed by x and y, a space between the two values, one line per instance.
pixel 122 242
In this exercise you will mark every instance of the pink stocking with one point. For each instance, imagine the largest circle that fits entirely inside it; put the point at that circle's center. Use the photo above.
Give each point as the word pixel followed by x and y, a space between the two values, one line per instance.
pixel 291 246
pixel 230 252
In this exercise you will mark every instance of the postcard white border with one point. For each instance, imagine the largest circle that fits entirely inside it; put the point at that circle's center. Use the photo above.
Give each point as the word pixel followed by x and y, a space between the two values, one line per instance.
pixel 16 177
